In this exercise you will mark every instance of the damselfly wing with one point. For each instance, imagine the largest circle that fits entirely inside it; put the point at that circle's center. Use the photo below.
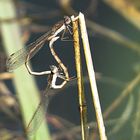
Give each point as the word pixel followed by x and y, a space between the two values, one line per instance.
pixel 18 58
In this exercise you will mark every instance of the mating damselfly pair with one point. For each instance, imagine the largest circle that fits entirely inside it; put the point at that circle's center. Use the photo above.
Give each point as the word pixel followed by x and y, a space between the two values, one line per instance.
pixel 25 54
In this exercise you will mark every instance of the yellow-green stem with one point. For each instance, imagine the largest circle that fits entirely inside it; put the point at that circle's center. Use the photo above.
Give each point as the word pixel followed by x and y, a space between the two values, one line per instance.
pixel 82 101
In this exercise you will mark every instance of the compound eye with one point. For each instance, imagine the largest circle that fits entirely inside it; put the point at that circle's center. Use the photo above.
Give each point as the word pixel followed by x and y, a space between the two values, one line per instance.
pixel 67 20
pixel 53 68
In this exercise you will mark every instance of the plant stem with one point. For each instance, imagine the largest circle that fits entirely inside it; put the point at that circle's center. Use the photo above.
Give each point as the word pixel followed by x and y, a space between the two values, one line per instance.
pixel 82 101
pixel 91 74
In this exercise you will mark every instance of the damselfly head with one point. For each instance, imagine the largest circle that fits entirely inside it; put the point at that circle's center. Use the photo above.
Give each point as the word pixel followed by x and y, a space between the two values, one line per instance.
pixel 67 20
pixel 54 69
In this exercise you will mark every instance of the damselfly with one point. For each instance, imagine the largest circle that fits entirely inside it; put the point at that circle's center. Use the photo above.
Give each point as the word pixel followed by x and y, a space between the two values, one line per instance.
pixel 62 66
pixel 54 73
pixel 20 57
pixel 39 114
pixel 24 55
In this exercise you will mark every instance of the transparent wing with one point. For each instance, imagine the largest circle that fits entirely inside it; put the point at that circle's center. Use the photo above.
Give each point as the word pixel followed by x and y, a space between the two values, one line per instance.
pixel 39 114
pixel 18 58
